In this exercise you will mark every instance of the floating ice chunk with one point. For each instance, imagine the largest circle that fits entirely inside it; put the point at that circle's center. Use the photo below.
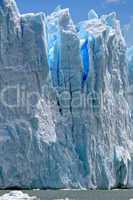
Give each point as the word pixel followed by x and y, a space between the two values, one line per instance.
pixel 92 15
pixel 17 195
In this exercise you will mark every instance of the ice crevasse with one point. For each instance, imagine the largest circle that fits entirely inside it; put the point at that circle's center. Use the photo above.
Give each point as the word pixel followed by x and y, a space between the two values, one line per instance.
pixel 77 131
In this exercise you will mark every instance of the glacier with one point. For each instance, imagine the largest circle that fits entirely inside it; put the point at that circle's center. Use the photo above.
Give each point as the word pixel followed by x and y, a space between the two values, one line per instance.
pixel 65 110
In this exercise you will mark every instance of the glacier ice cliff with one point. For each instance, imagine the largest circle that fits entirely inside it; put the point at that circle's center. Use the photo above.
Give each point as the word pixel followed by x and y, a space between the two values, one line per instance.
pixel 65 118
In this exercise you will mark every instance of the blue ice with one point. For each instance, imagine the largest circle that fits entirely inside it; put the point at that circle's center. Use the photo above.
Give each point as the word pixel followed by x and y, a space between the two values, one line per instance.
pixel 85 54
pixel 85 59
pixel 54 59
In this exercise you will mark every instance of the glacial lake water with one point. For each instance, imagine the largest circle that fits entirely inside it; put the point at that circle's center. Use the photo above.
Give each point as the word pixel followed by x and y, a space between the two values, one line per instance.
pixel 79 195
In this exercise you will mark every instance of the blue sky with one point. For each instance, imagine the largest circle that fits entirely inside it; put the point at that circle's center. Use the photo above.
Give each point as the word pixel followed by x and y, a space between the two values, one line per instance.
pixel 79 10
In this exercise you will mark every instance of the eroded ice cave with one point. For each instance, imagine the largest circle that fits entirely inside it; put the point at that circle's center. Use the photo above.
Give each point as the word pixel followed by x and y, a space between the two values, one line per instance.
pixel 74 127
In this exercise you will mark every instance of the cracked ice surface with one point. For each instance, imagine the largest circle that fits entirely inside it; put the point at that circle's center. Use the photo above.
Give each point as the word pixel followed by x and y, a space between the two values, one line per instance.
pixel 64 134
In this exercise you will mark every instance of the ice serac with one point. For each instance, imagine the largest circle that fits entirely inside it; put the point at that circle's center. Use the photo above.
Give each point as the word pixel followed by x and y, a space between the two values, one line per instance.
pixel 57 132
pixel 92 15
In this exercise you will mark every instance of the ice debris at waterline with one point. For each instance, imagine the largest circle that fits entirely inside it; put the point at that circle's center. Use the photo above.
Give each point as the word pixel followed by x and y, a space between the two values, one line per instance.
pixel 17 195
pixel 65 118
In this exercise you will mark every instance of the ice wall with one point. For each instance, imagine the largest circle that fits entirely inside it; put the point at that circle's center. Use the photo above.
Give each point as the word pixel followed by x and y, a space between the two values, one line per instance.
pixel 70 124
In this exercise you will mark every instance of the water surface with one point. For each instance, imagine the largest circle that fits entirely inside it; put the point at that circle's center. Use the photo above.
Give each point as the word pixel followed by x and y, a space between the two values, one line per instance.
pixel 79 194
